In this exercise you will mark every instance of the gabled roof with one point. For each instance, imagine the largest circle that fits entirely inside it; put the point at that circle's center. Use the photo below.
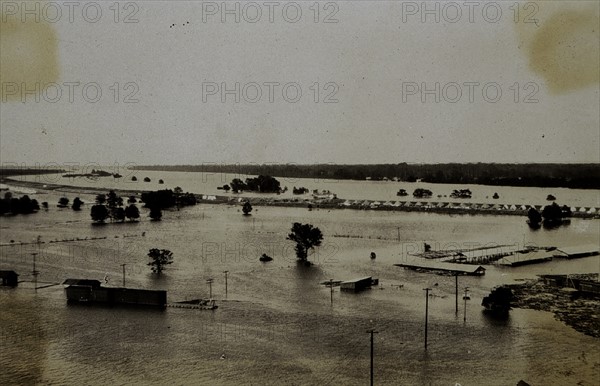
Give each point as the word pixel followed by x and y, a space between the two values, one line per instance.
pixel 580 249
pixel 442 266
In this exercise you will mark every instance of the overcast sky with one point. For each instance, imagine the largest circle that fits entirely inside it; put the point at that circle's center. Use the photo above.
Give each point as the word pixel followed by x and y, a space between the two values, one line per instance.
pixel 371 65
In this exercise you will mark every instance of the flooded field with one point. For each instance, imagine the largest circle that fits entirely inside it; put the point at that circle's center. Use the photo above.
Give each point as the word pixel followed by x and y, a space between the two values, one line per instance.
pixel 277 324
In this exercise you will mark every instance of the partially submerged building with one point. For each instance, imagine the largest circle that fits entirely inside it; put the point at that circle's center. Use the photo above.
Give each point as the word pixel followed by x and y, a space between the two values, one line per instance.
pixel 356 285
pixel 91 292
pixel 584 285
pixel 441 267
pixel 9 278
pixel 577 251
pixel 525 258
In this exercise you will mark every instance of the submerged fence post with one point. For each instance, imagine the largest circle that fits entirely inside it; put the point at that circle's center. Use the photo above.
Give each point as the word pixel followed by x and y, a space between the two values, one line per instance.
pixel 426 312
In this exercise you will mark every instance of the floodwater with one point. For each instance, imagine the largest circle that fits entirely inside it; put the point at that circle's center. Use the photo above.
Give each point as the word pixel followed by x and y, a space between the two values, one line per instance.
pixel 278 325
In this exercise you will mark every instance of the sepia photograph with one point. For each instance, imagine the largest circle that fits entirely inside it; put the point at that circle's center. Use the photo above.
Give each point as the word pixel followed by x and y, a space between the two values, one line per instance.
pixel 307 192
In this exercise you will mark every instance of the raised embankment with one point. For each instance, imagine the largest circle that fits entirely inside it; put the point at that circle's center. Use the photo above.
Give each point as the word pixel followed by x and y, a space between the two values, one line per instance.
pixel 414 205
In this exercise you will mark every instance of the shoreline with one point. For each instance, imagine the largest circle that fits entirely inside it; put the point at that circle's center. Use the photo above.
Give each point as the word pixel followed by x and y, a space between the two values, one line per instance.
pixel 414 205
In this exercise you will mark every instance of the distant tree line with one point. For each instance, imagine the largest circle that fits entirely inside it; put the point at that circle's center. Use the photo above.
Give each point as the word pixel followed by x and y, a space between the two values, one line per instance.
pixel 22 171
pixel 580 176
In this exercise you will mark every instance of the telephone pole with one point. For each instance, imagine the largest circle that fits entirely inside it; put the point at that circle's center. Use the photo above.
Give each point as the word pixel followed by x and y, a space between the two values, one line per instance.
pixel 456 293
pixel 123 265
pixel 372 331
pixel 34 272
pixel 209 281
pixel 225 272
pixel 331 287
pixel 426 312
pixel 465 297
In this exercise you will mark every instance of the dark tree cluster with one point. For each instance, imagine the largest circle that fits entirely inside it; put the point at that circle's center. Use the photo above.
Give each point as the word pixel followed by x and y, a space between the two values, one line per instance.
pixel 422 193
pixel 552 216
pixel 111 206
pixel 300 190
pixel 22 205
pixel 93 173
pixel 262 184
pixel 498 301
pixel 461 193
pixel 167 198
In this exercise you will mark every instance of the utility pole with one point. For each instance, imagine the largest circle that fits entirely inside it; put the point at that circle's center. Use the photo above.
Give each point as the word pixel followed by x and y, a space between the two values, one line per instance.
pixel 331 287
pixel 456 293
pixel 209 281
pixel 34 272
pixel 466 297
pixel 123 265
pixel 372 331
pixel 225 272
pixel 426 312
pixel 398 228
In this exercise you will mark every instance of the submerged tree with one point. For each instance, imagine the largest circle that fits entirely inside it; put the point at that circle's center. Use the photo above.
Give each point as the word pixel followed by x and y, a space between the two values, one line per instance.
pixel 160 258
pixel 132 212
pixel 553 215
pixel 119 214
pixel 63 202
pixel 534 218
pixel 247 208
pixel 306 237
pixel 498 301
pixel 77 204
pixel 99 213
pixel 101 199
pixel 155 213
